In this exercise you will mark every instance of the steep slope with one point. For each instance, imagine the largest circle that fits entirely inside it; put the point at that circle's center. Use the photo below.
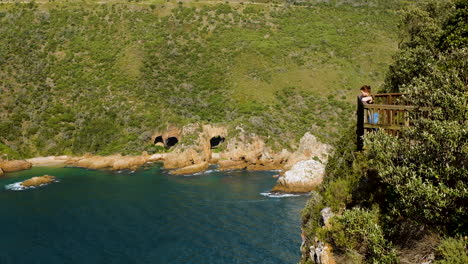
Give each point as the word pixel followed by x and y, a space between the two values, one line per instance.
pixel 102 77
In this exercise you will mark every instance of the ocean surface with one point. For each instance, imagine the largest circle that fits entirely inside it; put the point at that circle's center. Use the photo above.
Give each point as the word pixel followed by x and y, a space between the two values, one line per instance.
pixel 147 216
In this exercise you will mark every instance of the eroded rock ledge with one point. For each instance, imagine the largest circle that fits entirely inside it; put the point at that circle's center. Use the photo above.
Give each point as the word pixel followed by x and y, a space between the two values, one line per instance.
pixel 14 165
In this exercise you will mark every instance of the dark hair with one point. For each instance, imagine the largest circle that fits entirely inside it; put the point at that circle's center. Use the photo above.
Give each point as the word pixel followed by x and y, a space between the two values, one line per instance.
pixel 365 87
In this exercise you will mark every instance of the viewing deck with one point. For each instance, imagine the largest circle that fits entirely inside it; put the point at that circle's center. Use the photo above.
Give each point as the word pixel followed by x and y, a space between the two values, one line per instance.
pixel 389 113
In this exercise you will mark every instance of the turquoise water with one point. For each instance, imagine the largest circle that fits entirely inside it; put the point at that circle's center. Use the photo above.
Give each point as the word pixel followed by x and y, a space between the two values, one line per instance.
pixel 148 216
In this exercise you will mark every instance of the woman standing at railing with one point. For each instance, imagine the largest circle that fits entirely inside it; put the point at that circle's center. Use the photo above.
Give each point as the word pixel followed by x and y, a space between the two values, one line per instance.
pixel 373 118
pixel 366 96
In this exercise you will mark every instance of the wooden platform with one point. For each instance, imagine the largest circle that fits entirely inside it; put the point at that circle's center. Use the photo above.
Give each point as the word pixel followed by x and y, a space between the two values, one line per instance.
pixel 390 113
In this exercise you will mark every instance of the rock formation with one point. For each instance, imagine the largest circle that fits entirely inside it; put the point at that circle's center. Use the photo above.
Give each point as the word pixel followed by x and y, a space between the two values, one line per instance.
pixel 321 253
pixel 326 214
pixel 114 162
pixel 36 181
pixel 167 138
pixel 49 161
pixel 182 158
pixel 309 148
pixel 191 169
pixel 303 177
pixel 14 165
pixel 306 167
pixel 1 172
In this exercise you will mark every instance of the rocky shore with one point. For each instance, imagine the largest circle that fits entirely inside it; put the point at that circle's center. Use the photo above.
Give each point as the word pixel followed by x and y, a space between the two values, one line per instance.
pixel 299 172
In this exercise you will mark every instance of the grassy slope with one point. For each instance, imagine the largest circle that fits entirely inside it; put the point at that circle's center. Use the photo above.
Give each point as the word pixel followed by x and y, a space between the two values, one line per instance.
pixel 86 76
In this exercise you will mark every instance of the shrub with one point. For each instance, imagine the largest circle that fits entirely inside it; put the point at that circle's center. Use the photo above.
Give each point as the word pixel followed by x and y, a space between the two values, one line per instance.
pixel 358 229
pixel 452 251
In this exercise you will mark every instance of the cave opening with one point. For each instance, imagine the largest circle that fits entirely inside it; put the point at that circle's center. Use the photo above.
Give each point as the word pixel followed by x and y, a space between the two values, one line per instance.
pixel 171 141
pixel 215 141
pixel 158 139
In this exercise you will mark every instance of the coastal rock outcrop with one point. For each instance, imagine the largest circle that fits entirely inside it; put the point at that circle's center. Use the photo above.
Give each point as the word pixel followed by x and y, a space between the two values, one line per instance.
pixel 96 162
pixel 114 162
pixel 303 177
pixel 1 172
pixel 250 152
pixel 49 161
pixel 182 158
pixel 306 166
pixel 129 162
pixel 36 181
pixel 191 169
pixel 309 148
pixel 14 165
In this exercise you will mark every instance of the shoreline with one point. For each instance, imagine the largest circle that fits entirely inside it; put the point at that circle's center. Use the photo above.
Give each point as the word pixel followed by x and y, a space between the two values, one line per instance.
pixel 299 172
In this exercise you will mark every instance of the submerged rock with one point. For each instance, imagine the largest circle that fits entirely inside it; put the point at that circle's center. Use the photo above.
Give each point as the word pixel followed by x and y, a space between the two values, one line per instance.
pixel 303 177
pixel 14 165
pixel 36 181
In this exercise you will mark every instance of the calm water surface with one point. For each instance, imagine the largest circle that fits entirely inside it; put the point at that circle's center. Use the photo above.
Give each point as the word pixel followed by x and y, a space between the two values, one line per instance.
pixel 148 216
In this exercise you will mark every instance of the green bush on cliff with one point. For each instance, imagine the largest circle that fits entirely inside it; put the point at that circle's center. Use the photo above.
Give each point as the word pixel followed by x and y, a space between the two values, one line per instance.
pixel 452 251
pixel 420 177
pixel 359 230
pixel 426 169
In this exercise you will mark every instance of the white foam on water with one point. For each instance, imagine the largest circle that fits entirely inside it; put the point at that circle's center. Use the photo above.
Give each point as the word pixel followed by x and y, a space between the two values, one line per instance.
pixel 280 195
pixel 18 187
pixel 200 173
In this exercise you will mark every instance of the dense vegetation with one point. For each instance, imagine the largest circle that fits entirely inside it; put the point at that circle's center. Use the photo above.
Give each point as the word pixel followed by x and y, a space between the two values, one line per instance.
pixel 82 77
pixel 402 192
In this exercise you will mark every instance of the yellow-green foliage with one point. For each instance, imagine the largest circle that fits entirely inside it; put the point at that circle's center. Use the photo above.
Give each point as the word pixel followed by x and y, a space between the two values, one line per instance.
pixel 359 230
pixel 452 251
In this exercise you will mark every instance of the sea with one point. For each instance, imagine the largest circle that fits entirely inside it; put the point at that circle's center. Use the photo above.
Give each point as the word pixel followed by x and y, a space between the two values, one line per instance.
pixel 148 216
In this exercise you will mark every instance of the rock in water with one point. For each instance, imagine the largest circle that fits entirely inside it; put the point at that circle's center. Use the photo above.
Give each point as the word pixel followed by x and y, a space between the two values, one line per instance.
pixel 303 177
pixel 191 169
pixel 14 165
pixel 36 181
pixel 1 172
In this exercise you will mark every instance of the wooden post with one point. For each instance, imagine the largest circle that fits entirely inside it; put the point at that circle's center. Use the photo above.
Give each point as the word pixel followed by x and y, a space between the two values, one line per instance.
pixel 359 124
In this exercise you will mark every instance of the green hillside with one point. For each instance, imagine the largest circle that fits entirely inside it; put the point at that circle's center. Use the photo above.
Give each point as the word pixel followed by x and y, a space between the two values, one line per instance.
pixel 101 76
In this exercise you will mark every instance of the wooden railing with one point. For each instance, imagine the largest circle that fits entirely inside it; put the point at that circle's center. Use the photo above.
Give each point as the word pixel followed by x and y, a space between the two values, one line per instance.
pixel 390 118
pixel 390 99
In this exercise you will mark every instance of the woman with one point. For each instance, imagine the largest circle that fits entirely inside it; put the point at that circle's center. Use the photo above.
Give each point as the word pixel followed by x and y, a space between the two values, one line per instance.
pixel 367 98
